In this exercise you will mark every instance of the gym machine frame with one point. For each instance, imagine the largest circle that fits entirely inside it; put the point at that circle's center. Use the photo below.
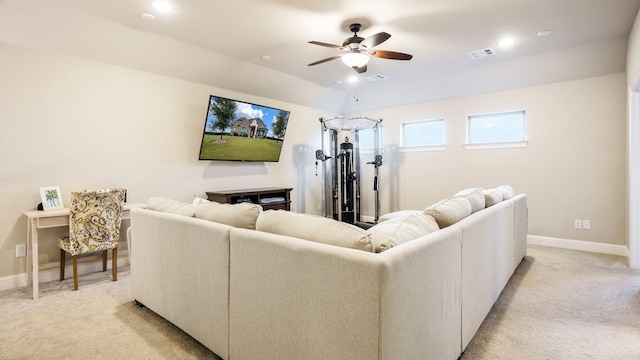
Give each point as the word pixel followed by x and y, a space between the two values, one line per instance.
pixel 344 163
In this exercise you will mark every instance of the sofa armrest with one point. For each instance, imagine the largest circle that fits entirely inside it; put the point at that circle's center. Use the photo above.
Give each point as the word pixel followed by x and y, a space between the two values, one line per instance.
pixel 521 222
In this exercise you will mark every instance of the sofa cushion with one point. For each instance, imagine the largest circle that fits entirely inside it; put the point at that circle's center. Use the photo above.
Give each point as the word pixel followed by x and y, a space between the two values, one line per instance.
pixel 396 214
pixel 243 215
pixel 506 191
pixel 400 230
pixel 170 206
pixel 314 228
pixel 449 211
pixel 475 197
pixel 492 196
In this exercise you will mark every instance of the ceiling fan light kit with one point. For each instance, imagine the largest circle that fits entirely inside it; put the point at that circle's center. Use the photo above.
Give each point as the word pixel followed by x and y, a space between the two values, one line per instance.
pixel 355 59
pixel 358 50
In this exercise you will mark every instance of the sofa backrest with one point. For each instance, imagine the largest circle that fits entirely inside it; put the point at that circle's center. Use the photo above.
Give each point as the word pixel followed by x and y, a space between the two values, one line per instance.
pixel 421 299
pixel 180 270
pixel 384 302
pixel 314 228
pixel 490 253
pixel 299 299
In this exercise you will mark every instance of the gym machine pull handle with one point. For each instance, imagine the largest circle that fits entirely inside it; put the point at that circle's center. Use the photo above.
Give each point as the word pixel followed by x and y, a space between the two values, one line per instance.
pixel 377 162
pixel 322 157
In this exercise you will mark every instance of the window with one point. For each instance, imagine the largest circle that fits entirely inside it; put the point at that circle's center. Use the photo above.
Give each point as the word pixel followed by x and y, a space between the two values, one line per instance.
pixel 504 129
pixel 423 135
pixel 366 139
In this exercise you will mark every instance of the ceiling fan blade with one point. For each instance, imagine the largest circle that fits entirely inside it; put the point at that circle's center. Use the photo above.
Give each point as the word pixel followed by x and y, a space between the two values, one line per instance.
pixel 383 54
pixel 325 44
pixel 325 60
pixel 360 69
pixel 375 39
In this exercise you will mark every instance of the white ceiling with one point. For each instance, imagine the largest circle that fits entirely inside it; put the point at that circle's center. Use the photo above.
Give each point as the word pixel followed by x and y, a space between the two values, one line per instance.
pixel 220 43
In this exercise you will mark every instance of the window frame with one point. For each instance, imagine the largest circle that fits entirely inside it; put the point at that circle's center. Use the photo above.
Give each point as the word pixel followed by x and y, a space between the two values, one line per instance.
pixel 516 143
pixel 423 147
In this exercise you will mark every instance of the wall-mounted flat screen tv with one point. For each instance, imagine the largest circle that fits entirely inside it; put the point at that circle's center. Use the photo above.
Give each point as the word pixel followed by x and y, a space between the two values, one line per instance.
pixel 240 131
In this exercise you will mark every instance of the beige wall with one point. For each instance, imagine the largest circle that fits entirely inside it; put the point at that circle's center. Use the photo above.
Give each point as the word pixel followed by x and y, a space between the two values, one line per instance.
pixel 572 168
pixel 633 55
pixel 633 80
pixel 82 124
pixel 55 110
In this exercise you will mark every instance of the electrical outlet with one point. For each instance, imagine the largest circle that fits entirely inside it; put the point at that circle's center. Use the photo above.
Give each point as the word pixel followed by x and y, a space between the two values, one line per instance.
pixel 586 224
pixel 319 207
pixel 21 250
pixel 577 224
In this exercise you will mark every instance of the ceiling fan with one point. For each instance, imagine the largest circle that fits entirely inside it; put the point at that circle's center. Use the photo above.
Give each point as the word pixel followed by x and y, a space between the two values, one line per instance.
pixel 357 50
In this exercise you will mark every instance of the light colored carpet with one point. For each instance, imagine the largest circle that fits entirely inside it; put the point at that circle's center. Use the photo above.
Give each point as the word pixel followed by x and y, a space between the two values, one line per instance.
pixel 564 304
pixel 99 321
pixel 560 304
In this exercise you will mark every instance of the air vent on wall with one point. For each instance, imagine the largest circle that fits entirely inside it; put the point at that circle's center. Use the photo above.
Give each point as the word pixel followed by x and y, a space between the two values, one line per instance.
pixel 376 77
pixel 481 53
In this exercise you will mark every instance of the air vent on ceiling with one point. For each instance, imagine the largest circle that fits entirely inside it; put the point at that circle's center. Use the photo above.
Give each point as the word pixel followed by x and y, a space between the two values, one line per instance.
pixel 376 77
pixel 481 53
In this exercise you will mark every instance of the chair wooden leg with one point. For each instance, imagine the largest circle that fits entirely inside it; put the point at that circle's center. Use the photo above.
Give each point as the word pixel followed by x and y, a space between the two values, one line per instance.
pixel 104 260
pixel 75 272
pixel 114 264
pixel 62 256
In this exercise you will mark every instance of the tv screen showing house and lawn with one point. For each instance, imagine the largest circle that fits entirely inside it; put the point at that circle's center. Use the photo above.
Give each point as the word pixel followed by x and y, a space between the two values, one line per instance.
pixel 240 131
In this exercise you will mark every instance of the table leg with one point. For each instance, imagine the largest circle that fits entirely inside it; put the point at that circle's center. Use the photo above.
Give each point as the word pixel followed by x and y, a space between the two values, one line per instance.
pixel 34 258
pixel 29 280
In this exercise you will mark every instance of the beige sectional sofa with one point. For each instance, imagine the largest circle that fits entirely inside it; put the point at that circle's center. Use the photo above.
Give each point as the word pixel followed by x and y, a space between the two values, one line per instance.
pixel 264 294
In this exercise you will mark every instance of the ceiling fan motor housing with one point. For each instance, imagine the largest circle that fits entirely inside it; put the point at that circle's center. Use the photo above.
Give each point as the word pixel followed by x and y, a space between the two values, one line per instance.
pixel 354 41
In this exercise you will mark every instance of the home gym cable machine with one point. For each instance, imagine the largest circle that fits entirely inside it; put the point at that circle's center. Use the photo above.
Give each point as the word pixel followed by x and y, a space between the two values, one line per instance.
pixel 341 170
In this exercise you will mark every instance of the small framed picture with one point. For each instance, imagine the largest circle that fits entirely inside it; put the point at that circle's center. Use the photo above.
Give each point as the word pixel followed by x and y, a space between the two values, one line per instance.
pixel 51 197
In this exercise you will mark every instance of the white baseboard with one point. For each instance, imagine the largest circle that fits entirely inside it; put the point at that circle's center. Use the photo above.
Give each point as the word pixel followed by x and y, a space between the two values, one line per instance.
pixel 602 248
pixel 13 281
pixel 20 280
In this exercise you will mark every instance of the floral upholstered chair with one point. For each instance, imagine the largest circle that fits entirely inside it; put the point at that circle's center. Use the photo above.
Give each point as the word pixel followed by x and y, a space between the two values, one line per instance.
pixel 94 225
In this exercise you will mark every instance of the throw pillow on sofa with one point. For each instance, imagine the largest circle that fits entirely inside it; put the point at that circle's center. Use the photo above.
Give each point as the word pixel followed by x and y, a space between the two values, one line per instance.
pixel 475 197
pixel 198 200
pixel 314 228
pixel 506 191
pixel 242 215
pixel 492 196
pixel 449 211
pixel 397 214
pixel 400 230
pixel 170 206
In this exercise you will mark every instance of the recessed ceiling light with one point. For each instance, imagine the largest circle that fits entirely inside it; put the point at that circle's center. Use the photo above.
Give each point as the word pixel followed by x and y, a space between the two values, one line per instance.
pixel 545 33
pixel 148 17
pixel 265 58
pixel 506 42
pixel 162 5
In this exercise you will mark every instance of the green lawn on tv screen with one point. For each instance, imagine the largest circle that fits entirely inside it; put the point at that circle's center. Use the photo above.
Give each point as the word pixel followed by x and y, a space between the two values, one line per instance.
pixel 240 148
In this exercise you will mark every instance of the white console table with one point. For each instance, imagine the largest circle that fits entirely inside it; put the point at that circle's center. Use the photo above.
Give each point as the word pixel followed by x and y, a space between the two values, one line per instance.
pixel 39 219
